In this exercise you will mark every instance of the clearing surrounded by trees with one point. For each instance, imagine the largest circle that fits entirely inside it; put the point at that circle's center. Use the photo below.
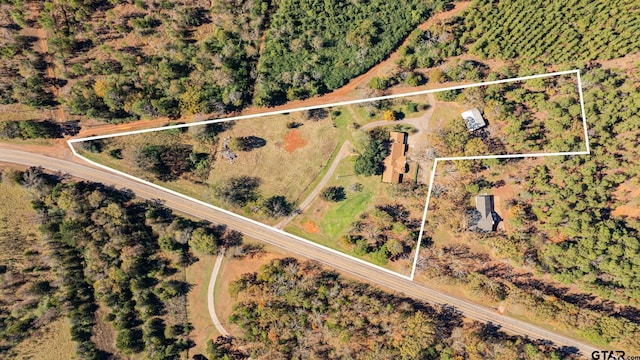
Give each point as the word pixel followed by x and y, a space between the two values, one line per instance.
pixel 269 167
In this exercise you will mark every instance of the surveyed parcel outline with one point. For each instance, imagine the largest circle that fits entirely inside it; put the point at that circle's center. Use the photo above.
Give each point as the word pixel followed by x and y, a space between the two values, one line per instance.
pixel 410 277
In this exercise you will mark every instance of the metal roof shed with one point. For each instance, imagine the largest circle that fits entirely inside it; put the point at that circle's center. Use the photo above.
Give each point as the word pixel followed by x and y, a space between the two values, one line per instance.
pixel 473 119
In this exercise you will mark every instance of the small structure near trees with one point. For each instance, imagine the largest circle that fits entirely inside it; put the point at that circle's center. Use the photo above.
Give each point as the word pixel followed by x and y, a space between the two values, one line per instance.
pixel 473 119
pixel 227 154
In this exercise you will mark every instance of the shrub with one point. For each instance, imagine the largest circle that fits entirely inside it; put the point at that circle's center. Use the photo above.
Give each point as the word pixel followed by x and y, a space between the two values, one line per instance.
pixel 333 193
pixel 377 83
pixel 411 107
pixel 203 241
pixel 277 206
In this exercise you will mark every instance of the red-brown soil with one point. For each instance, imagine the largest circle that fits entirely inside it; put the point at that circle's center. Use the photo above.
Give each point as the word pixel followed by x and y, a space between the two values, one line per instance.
pixel 293 141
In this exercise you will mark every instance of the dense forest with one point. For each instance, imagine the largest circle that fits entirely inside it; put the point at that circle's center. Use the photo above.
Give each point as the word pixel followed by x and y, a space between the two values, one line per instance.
pixel 491 281
pixel 116 61
pixel 561 223
pixel 317 46
pixel 601 252
pixel 552 32
pixel 323 315
pixel 112 252
pixel 125 61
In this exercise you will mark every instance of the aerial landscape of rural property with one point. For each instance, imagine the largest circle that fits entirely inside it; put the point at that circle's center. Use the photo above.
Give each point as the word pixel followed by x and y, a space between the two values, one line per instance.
pixel 303 179
pixel 368 161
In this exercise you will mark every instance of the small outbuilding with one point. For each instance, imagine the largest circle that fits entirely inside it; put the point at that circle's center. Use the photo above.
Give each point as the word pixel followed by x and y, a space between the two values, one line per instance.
pixel 488 217
pixel 395 165
pixel 226 152
pixel 473 119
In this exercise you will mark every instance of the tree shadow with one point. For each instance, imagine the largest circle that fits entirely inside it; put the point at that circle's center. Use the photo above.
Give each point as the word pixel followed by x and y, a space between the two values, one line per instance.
pixel 529 284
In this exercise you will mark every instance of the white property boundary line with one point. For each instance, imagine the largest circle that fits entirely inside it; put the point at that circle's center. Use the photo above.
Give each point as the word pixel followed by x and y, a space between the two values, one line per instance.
pixel 587 151
pixel 278 112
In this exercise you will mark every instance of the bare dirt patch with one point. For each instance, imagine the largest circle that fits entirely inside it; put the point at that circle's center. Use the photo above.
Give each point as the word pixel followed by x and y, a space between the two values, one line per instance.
pixel 629 195
pixel 503 194
pixel 293 141
pixel 310 227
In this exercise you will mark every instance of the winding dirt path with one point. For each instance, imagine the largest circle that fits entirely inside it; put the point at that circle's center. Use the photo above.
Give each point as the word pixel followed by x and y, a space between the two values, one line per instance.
pixel 342 153
pixel 42 47
pixel 210 297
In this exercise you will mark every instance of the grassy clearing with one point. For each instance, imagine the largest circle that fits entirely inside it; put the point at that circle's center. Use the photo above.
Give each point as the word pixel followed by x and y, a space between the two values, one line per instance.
pixel 38 142
pixel 198 275
pixel 295 170
pixel 53 342
pixel 16 222
pixel 19 112
pixel 338 218
pixel 343 120
pixel 333 219
pixel 445 112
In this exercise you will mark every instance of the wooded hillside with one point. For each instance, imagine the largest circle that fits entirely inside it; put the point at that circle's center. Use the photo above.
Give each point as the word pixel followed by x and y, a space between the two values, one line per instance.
pixel 298 310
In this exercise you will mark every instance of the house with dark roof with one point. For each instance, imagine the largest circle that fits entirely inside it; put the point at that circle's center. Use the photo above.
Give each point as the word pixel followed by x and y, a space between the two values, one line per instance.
pixel 473 119
pixel 489 219
pixel 395 165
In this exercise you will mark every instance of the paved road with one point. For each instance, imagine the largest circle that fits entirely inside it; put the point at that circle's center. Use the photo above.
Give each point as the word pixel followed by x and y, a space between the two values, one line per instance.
pixel 293 245
pixel 212 285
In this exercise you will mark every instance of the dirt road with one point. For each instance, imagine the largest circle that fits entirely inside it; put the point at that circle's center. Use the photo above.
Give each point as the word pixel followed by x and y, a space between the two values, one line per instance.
pixel 210 297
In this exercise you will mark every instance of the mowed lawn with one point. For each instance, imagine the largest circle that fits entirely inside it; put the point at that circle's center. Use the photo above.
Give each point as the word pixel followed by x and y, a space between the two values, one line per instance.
pixel 332 219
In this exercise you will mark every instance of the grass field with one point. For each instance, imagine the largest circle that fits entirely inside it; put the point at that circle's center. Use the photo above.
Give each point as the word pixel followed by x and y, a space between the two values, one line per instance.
pixel 53 342
pixel 333 219
pixel 282 172
pixel 298 168
pixel 198 275
pixel 17 224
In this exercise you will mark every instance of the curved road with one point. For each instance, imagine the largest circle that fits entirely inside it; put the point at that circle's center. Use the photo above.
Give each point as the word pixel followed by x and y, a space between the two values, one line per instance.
pixel 363 271
pixel 212 285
